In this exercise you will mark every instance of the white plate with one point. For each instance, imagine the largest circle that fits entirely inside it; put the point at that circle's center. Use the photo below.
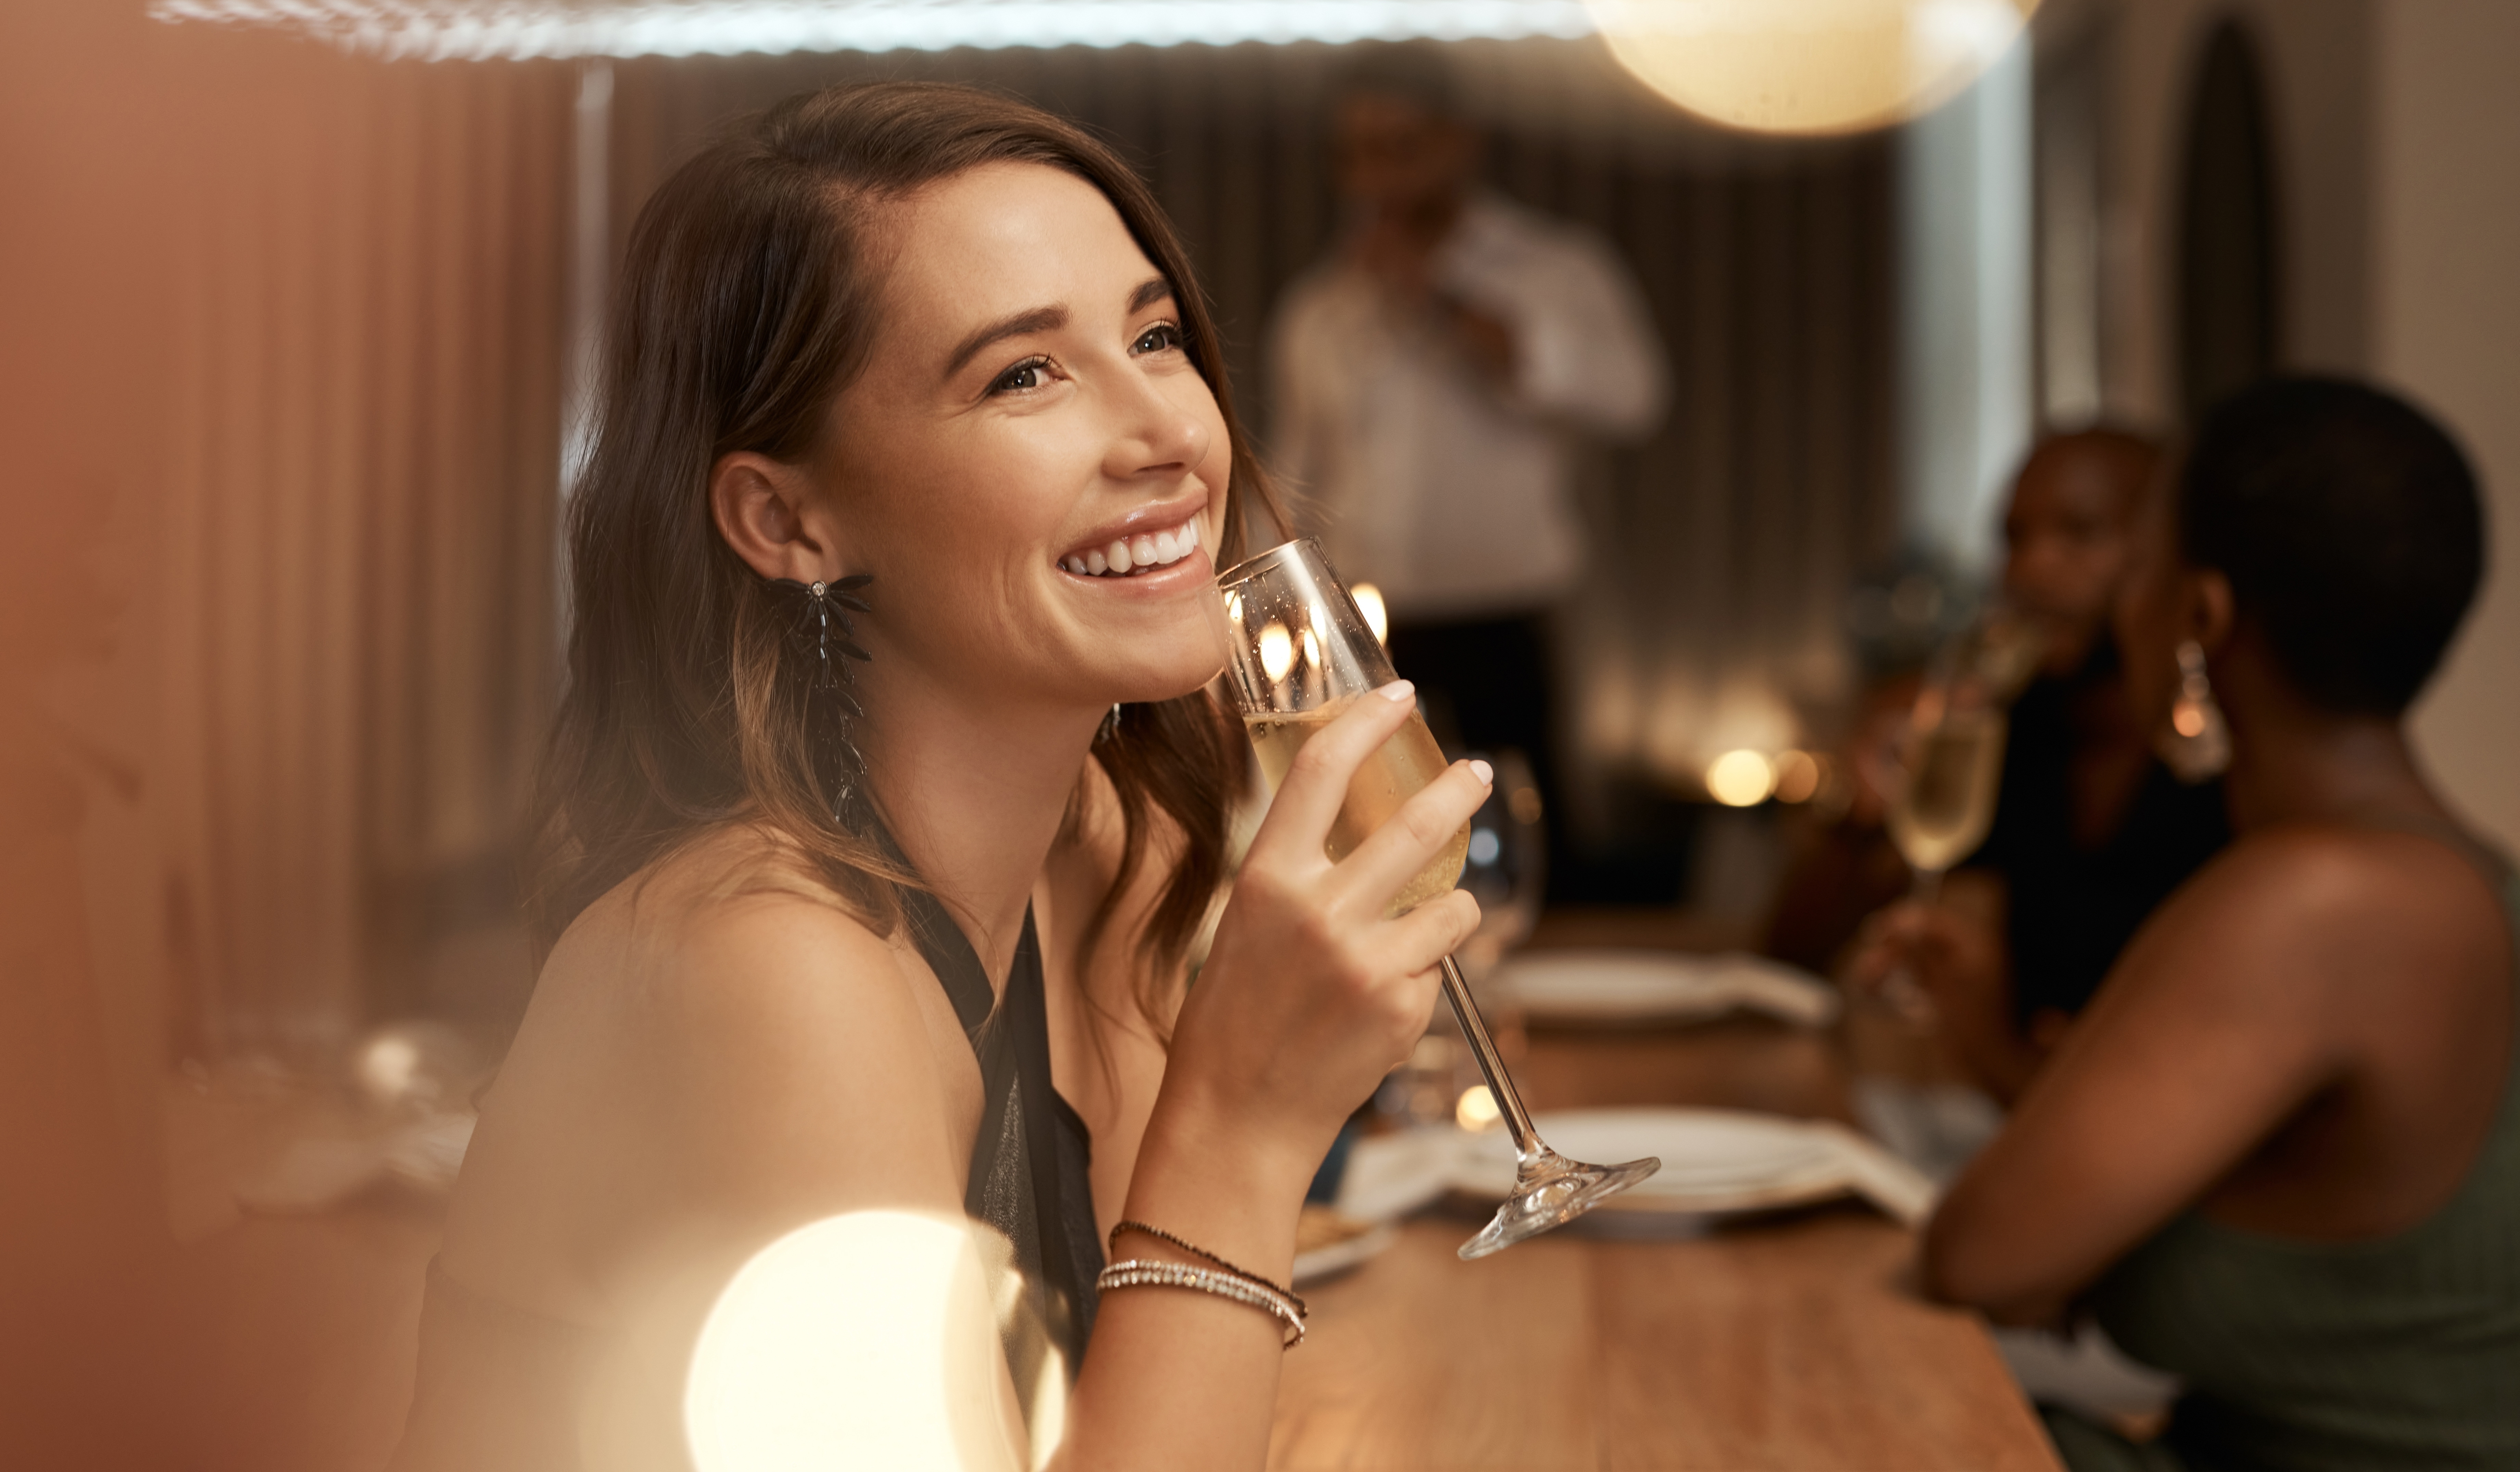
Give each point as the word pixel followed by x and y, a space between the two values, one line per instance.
pixel 1603 987
pixel 1713 1161
pixel 1390 1176
pixel 1338 1257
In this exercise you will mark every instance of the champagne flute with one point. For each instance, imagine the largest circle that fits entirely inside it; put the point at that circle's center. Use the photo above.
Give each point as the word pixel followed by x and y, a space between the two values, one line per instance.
pixel 1952 763
pixel 1297 652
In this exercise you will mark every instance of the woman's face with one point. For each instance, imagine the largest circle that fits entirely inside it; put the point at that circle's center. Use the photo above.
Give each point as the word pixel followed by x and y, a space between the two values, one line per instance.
pixel 1030 464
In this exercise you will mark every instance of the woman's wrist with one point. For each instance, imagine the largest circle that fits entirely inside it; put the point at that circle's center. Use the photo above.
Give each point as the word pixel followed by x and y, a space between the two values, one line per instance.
pixel 1207 1175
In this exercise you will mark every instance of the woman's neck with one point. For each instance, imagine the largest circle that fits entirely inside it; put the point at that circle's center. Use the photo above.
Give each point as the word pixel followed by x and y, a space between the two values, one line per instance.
pixel 974 794
pixel 2294 763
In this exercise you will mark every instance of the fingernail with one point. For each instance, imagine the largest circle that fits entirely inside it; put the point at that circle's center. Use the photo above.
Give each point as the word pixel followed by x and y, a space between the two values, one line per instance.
pixel 1483 772
pixel 1397 692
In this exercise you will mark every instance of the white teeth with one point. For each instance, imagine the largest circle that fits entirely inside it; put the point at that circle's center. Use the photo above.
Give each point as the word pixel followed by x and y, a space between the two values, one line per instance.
pixel 1142 550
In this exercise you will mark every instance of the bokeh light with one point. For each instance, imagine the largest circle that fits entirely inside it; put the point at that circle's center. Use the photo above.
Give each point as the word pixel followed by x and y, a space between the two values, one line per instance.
pixel 1369 602
pixel 864 1340
pixel 1277 651
pixel 1477 1109
pixel 1809 67
pixel 1798 776
pixel 1740 779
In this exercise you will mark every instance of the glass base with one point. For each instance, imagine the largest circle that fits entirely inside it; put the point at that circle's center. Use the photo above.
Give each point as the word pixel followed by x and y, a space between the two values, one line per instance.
pixel 1552 1190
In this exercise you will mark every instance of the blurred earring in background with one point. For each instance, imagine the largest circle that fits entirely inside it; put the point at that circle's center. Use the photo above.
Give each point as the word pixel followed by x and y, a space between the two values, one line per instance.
pixel 2197 745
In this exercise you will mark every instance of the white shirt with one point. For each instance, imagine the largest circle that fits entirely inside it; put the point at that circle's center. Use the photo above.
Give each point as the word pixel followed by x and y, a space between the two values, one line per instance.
pixel 1450 491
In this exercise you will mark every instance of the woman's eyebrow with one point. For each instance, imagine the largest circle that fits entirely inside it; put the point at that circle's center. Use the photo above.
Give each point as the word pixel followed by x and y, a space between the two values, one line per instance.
pixel 1035 320
pixel 1149 291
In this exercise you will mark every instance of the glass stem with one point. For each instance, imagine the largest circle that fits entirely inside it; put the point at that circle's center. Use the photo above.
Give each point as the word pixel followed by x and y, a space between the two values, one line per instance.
pixel 1509 1103
pixel 1899 988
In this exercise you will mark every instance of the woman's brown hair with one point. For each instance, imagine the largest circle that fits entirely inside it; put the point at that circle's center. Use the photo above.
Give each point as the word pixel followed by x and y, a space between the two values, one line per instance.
pixel 747 305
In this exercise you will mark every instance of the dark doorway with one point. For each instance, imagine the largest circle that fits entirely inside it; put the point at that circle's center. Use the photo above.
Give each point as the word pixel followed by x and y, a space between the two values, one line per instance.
pixel 2227 251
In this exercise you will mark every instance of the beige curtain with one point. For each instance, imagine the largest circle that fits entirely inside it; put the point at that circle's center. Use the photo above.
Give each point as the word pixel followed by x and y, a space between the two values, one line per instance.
pixel 353 639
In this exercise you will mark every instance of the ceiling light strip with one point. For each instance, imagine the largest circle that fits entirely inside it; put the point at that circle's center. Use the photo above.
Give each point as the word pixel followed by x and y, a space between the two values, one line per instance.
pixel 516 31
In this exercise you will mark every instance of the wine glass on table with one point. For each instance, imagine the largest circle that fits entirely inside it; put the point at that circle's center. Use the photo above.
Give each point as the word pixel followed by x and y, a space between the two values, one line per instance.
pixel 1298 651
pixel 1952 762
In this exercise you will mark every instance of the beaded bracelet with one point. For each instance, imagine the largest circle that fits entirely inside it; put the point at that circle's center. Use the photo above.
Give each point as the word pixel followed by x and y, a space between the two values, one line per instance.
pixel 1302 1310
pixel 1163 1273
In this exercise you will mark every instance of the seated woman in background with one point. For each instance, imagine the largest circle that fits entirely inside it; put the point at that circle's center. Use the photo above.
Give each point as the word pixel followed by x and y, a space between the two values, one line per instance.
pixel 876 946
pixel 2279 1155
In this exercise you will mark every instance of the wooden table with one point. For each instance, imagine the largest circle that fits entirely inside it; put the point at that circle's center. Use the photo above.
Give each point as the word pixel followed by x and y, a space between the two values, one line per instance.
pixel 1790 1342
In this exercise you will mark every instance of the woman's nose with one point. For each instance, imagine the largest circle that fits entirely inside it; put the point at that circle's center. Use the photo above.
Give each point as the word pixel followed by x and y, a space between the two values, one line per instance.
pixel 1155 435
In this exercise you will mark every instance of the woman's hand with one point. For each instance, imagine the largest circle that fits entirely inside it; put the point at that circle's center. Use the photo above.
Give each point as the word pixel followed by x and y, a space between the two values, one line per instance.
pixel 1312 992
pixel 1954 953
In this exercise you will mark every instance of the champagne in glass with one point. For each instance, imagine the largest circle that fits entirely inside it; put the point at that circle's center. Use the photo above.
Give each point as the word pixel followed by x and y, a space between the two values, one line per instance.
pixel 1948 802
pixel 1407 762
pixel 1953 764
pixel 1297 652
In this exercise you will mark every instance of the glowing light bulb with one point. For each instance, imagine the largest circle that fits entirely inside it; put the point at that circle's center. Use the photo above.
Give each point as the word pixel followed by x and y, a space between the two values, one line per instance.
pixel 1369 602
pixel 1312 649
pixel 1740 779
pixel 1277 651
pixel 1809 66
pixel 1477 1109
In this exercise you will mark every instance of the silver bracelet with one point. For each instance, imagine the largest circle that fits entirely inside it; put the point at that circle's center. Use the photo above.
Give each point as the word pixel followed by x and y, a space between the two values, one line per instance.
pixel 1163 1272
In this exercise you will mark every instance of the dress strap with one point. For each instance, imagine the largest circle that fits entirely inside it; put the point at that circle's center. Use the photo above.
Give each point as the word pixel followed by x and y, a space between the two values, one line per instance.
pixel 948 953
pixel 1030 1176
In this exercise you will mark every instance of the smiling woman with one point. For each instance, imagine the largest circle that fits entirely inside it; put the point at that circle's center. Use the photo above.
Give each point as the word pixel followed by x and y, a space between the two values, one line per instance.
pixel 857 916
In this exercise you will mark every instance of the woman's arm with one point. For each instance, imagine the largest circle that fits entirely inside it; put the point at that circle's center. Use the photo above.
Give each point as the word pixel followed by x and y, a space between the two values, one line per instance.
pixel 1309 996
pixel 1956 951
pixel 2227 1013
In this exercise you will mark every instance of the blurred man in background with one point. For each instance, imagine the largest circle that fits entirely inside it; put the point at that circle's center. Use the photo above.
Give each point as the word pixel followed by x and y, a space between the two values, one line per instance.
pixel 1430 380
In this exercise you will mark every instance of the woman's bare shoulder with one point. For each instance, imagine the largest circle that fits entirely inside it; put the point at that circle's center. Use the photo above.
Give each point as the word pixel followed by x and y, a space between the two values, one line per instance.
pixel 728 897
pixel 712 1047
pixel 2292 906
pixel 730 1011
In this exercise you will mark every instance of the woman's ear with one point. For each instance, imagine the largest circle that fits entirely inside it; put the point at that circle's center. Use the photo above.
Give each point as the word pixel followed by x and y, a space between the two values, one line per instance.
pixel 768 512
pixel 2209 608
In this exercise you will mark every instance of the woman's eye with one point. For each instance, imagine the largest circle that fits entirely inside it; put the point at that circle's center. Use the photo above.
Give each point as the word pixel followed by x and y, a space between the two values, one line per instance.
pixel 1160 338
pixel 1031 373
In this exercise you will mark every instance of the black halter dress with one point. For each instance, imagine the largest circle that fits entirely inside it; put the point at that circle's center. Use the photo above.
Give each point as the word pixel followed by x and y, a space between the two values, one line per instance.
pixel 1029 1175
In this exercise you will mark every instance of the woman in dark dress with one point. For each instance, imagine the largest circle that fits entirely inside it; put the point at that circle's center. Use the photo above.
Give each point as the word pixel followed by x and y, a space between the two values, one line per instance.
pixel 882 809
pixel 2279 1154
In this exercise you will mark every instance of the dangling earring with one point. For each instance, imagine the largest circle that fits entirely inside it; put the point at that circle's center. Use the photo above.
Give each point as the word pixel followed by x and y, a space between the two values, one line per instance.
pixel 1110 725
pixel 824 636
pixel 2197 746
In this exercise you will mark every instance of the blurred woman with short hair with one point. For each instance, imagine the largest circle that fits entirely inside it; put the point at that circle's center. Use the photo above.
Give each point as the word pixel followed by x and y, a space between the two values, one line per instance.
pixel 2279 1155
